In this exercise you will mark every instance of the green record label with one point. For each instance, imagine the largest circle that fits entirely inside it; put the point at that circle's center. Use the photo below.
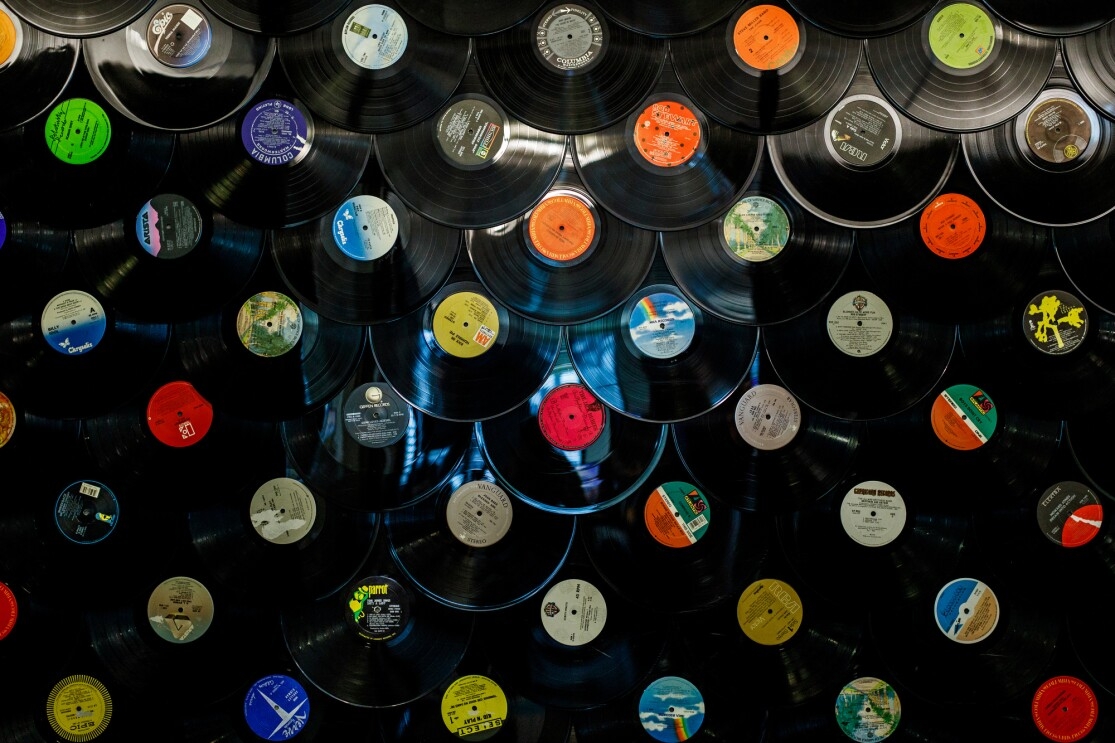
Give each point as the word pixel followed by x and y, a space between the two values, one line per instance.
pixel 78 131
pixel 868 710
pixel 962 35
pixel 756 229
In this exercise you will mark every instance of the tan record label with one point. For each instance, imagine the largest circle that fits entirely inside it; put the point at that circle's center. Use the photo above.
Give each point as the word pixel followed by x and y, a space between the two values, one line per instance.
pixel 667 134
pixel 180 609
pixel 966 610
pixel 574 612
pixel 860 323
pixel 479 513
pixel 1058 130
pixel 79 708
pixel 873 513
pixel 769 612
pixel 466 324
pixel 283 510
pixel 768 417
pixel 474 708
pixel 766 37
pixel 7 419
pixel 561 228
pixel 953 226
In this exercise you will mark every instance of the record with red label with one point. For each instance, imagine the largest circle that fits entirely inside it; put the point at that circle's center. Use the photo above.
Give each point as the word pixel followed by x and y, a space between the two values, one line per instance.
pixel 34 68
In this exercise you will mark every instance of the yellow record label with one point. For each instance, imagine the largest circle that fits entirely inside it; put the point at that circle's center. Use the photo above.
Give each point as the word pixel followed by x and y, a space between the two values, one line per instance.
pixel 466 324
pixel 79 708
pixel 769 612
pixel 474 708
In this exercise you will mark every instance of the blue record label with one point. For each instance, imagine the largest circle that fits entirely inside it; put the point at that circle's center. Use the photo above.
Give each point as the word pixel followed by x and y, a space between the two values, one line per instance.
pixel 275 132
pixel 276 707
pixel 86 512
pixel 73 323
pixel 3 229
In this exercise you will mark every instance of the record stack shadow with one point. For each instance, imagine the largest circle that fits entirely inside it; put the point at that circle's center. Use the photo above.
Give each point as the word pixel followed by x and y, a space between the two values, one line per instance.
pixel 540 372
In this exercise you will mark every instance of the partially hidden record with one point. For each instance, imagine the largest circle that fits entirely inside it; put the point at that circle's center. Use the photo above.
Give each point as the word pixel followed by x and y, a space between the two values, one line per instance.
pixel 276 19
pixel 36 253
pixel 34 68
pixel 1037 17
pixel 80 18
pixel 863 18
pixel 484 17
pixel 664 18
pixel 1082 251
pixel 1092 71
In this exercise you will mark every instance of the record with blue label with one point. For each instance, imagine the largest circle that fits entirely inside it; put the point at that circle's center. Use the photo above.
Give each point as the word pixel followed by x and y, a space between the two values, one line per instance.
pixel 34 68
pixel 80 18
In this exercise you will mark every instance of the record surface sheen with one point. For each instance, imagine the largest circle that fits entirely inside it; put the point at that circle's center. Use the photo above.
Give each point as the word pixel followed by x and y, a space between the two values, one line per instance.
pixel 1038 17
pixel 665 18
pixel 863 18
pixel 34 68
pixel 80 17
pixel 483 17
pixel 38 254
pixel 1088 59
pixel 273 18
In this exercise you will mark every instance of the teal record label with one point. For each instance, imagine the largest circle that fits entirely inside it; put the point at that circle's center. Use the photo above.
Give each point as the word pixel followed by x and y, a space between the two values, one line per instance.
pixel 365 228
pixel 662 325
pixel 677 514
pixel 73 323
pixel 966 610
pixel 671 709
pixel 868 710
pixel 756 229
pixel 276 707
pixel 86 512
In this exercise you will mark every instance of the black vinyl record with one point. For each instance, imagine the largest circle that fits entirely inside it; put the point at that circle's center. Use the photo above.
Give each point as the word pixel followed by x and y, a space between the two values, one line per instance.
pixel 666 166
pixel 80 17
pixel 34 68
pixel 483 17
pixel 565 261
pixel 369 259
pixel 178 67
pixel 865 164
pixel 168 240
pixel 659 357
pixel 664 18
pixel 374 69
pixel 462 356
pixel 1091 67
pixel 878 361
pixel 1088 439
pixel 960 68
pixel 273 164
pixel 1039 18
pixel 930 262
pixel 274 18
pixel 764 69
pixel 36 638
pixel 765 260
pixel 1085 255
pixel 863 18
pixel 367 449
pixel 35 253
pixel 1058 144
pixel 762 450
pixel 568 70
pixel 472 546
pixel 471 165
pixel 563 451
pixel 30 443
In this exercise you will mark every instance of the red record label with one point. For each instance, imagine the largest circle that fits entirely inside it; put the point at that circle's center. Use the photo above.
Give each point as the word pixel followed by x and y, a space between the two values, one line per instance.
pixel 9 611
pixel 570 417
pixel 953 226
pixel 178 415
pixel 1064 709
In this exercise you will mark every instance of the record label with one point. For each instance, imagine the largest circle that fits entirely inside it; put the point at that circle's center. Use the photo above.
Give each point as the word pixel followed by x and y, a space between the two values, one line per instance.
pixel 1064 709
pixel 671 709
pixel 860 323
pixel 677 514
pixel 1058 130
pixel 466 324
pixel 73 323
pixel 365 228
pixel 276 707
pixel 178 415
pixel 966 610
pixel 3 229
pixel 375 416
pixel 169 226
pixel 1070 514
pixel 868 710
pixel 9 611
pixel 269 324
pixel 11 40
pixel 863 131
pixel 472 133
pixel 766 37
pixel 662 325
pixel 571 418
pixel 379 608
pixel 79 708
pixel 963 417
pixel 283 510
pixel 570 37
pixel 561 229
pixel 86 512
pixel 275 132
pixel 179 36
pixel 873 513
pixel 961 36
pixel 7 419
pixel 1055 322
pixel 756 229
pixel 474 708
pixel 374 37
pixel 667 134
pixel 769 612
pixel 953 226
pixel 574 612
pixel 78 131
pixel 768 417
pixel 180 610
pixel 479 513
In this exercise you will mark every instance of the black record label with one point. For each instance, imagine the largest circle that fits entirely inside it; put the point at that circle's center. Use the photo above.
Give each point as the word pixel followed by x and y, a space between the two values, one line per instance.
pixel 378 608
pixel 375 416
pixel 169 226
pixel 374 36
pixel 1070 514
pixel 1055 322
pixel 86 512
pixel 768 417
pixel 570 37
pixel 179 36
pixel 275 132
pixel 1058 130
pixel 472 133
pixel 863 131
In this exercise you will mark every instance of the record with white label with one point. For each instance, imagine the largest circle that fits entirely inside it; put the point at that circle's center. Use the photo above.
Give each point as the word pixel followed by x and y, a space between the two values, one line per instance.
pixel 1039 18
pixel 276 19
pixel 36 253
pixel 483 17
pixel 863 18
pixel 79 18
pixel 34 68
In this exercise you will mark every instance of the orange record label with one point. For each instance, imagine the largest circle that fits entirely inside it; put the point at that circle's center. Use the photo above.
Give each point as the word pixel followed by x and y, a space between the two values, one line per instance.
pixel 7 37
pixel 766 37
pixel 667 134
pixel 963 417
pixel 677 514
pixel 561 228
pixel 7 419
pixel 953 226
pixel 1064 709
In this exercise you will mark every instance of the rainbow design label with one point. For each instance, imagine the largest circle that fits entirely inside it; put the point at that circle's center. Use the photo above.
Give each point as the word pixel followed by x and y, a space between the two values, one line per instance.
pixel 671 709
pixel 662 325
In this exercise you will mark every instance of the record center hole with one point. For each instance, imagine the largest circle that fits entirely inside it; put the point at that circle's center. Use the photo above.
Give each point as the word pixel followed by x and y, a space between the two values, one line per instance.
pixel 770 611
pixel 573 612
pixel 967 610
pixel 661 326
pixel 479 513
pixel 73 322
pixel 873 513
pixel 474 708
pixel 465 324
pixel 572 417
pixel 859 322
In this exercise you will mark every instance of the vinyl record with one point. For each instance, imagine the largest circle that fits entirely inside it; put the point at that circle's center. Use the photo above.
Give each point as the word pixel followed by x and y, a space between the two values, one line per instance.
pixel 275 19
pixel 37 639
pixel 765 260
pixel 369 450
pixel 960 68
pixel 471 165
pixel 484 17
pixel 565 261
pixel 563 451
pixel 178 67
pixel 463 356
pixel 472 546
pixel 34 68
pixel 29 442
pixel 1091 68
pixel 666 166
pixel 659 357
pixel 1090 644
pixel 930 262
pixel 764 69
pixel 1058 144
pixel 879 361
pixel 663 18
pixel 1085 257
pixel 1087 436
pixel 79 17
pixel 168 240
pixel 1037 17
pixel 273 164
pixel 35 253
pixel 864 146
pixel 863 18
pixel 373 68
pixel 369 258
pixel 568 70
pixel 762 450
